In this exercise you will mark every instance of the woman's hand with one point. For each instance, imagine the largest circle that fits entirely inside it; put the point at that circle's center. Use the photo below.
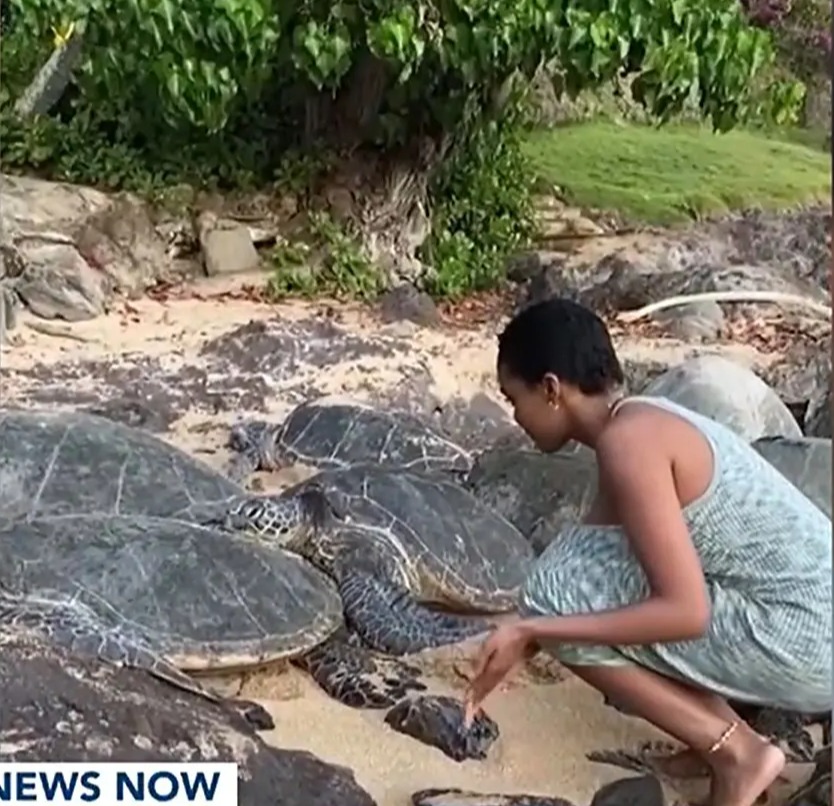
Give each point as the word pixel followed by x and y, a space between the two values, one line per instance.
pixel 500 654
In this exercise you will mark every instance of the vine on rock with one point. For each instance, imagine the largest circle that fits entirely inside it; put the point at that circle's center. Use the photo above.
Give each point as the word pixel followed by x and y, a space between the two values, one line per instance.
pixel 417 97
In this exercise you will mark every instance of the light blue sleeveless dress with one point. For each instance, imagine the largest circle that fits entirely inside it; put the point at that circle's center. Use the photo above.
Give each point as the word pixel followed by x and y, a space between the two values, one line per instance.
pixel 765 550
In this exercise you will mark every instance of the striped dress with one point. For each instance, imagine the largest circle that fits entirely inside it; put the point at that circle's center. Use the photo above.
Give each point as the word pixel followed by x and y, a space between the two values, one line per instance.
pixel 765 550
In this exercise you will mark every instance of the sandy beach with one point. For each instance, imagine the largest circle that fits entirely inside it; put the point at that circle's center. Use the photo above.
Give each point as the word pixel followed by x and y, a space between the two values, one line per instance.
pixel 547 726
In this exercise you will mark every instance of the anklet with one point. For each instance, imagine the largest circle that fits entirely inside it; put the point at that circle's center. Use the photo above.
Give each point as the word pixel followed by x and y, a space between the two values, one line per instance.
pixel 724 738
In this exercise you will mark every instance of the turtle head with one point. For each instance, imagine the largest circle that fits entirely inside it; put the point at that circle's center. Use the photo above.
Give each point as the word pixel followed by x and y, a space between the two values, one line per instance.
pixel 255 447
pixel 291 521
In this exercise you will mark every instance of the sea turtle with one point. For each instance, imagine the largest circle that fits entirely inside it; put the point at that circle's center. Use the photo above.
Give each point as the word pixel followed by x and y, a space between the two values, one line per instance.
pixel 61 462
pixel 805 462
pixel 729 393
pixel 58 706
pixel 537 492
pixel 441 722
pixel 101 551
pixel 161 594
pixel 395 541
pixel 327 434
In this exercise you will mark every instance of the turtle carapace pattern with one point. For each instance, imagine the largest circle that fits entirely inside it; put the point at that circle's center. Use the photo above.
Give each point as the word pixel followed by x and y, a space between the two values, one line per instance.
pixel 58 705
pixel 204 599
pixel 396 542
pixel 330 435
pixel 56 463
pixel 160 594
pixel 101 549
pixel 441 723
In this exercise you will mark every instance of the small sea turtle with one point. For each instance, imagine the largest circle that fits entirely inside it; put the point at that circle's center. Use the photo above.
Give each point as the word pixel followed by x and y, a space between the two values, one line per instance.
pixel 100 550
pixel 729 393
pixel 537 492
pixel 328 435
pixel 395 541
pixel 440 722
pixel 57 705
pixel 805 462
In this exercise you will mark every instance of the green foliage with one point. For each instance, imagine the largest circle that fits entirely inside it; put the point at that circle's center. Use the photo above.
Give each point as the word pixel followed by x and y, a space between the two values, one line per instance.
pixel 483 210
pixel 215 92
pixel 678 172
pixel 329 262
pixel 199 63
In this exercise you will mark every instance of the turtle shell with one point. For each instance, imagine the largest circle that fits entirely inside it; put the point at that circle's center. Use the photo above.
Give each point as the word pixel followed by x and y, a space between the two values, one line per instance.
pixel 463 554
pixel 69 463
pixel 204 599
pixel 337 435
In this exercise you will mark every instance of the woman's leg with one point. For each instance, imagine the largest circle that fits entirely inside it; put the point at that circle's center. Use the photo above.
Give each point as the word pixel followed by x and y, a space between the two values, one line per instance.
pixel 742 768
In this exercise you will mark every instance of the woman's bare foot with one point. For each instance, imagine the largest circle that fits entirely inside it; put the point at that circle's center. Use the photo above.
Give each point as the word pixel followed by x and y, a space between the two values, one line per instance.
pixel 744 769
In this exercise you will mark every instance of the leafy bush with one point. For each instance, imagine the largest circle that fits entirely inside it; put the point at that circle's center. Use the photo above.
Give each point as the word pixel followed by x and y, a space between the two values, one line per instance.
pixel 215 91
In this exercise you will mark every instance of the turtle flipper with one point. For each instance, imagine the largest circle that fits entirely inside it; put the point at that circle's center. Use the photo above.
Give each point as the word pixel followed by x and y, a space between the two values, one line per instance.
pixel 389 619
pixel 355 676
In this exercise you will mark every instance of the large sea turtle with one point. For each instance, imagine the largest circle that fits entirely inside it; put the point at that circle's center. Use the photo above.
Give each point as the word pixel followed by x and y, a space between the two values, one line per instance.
pixel 101 552
pixel 394 542
pixel 729 393
pixel 69 463
pixel 329 434
pixel 805 462
pixel 59 706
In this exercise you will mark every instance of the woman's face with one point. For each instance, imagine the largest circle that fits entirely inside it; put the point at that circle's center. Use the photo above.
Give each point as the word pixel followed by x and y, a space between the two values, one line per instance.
pixel 538 409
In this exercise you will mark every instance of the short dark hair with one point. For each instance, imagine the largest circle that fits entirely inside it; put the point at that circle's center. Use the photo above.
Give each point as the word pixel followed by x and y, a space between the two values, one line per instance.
pixel 564 338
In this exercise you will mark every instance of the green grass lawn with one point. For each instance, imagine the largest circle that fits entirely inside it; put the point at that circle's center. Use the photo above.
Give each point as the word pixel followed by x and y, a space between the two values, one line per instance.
pixel 676 173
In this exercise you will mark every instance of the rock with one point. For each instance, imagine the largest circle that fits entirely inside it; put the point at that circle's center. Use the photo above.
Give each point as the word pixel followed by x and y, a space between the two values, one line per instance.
pixel 61 707
pixel 818 416
pixel 114 235
pixel 405 302
pixel 529 488
pixel 799 376
pixel 524 267
pixel 639 374
pixel 9 303
pixel 58 283
pixel 643 791
pixel 227 246
pixel 817 790
pixel 438 722
pixel 729 393
pixel 697 321
pixel 475 422
pixel 460 797
pixel 805 462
